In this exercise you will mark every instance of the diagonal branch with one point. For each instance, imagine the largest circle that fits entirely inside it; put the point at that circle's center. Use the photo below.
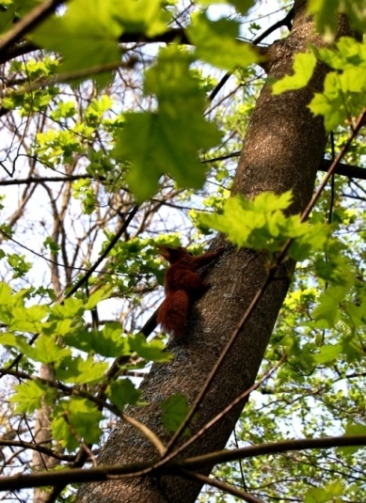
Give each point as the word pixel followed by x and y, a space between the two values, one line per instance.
pixel 286 21
pixel 227 409
pixel 105 253
pixel 28 23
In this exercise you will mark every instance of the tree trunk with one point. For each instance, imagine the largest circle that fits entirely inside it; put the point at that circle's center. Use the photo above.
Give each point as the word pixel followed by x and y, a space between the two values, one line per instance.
pixel 282 150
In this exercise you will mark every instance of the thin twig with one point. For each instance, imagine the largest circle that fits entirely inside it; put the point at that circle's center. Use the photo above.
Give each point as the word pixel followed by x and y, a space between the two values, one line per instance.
pixel 253 451
pixel 149 434
pixel 46 179
pixel 105 253
pixel 39 448
pixel 223 486
pixel 359 123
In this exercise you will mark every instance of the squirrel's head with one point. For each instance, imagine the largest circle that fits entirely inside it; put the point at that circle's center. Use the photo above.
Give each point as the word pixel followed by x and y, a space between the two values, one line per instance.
pixel 173 254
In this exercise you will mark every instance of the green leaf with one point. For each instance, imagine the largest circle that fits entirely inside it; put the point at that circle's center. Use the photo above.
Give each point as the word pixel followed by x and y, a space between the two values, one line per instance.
pixel 64 110
pixel 95 111
pixel 59 327
pixel 28 396
pixel 263 225
pixel 24 6
pixel 326 14
pixel 142 16
pixel 51 245
pixel 169 140
pixel 328 309
pixel 7 19
pixel 109 342
pixel 216 43
pixel 328 493
pixel 5 293
pixel 330 103
pixel 70 308
pixel 123 392
pixel 76 370
pixel 158 144
pixel 328 353
pixel 18 263
pixel 12 340
pixel 335 267
pixel 307 238
pixel 28 319
pixel 46 350
pixel 74 420
pixel 175 410
pixel 100 294
pixel 304 65
pixel 149 350
pixel 344 90
pixel 255 224
pixel 355 313
pixel 348 53
pixel 95 36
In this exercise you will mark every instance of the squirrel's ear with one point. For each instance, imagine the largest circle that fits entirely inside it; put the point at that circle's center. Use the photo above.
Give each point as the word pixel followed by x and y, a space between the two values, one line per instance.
pixel 164 251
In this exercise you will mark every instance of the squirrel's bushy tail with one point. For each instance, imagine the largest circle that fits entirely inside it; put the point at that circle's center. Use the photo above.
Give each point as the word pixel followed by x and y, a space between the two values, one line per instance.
pixel 173 312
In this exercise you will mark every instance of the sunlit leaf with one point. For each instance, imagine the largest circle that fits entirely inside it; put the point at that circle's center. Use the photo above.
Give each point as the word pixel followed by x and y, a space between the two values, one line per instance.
pixel 29 395
pixel 216 43
pixel 74 420
pixel 150 350
pixel 303 67
pixel 77 370
pixel 150 140
pixel 94 35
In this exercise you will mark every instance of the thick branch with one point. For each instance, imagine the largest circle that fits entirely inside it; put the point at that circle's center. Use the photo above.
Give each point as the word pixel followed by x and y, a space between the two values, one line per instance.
pixel 104 473
pixel 169 36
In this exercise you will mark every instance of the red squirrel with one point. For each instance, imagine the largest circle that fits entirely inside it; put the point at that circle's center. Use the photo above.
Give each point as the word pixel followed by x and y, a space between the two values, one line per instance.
pixel 182 286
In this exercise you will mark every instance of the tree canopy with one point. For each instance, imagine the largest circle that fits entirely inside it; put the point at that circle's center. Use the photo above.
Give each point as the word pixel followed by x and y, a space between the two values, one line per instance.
pixel 122 126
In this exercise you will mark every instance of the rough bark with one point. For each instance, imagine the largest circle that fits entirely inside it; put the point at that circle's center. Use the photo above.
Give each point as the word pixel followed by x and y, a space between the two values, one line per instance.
pixel 283 148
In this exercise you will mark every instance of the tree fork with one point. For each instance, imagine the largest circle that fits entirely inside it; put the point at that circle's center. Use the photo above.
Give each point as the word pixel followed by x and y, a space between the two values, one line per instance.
pixel 282 150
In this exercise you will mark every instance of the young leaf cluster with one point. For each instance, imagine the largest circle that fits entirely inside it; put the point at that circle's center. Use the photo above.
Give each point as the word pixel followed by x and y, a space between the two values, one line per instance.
pixel 59 330
pixel 262 224
pixel 342 98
